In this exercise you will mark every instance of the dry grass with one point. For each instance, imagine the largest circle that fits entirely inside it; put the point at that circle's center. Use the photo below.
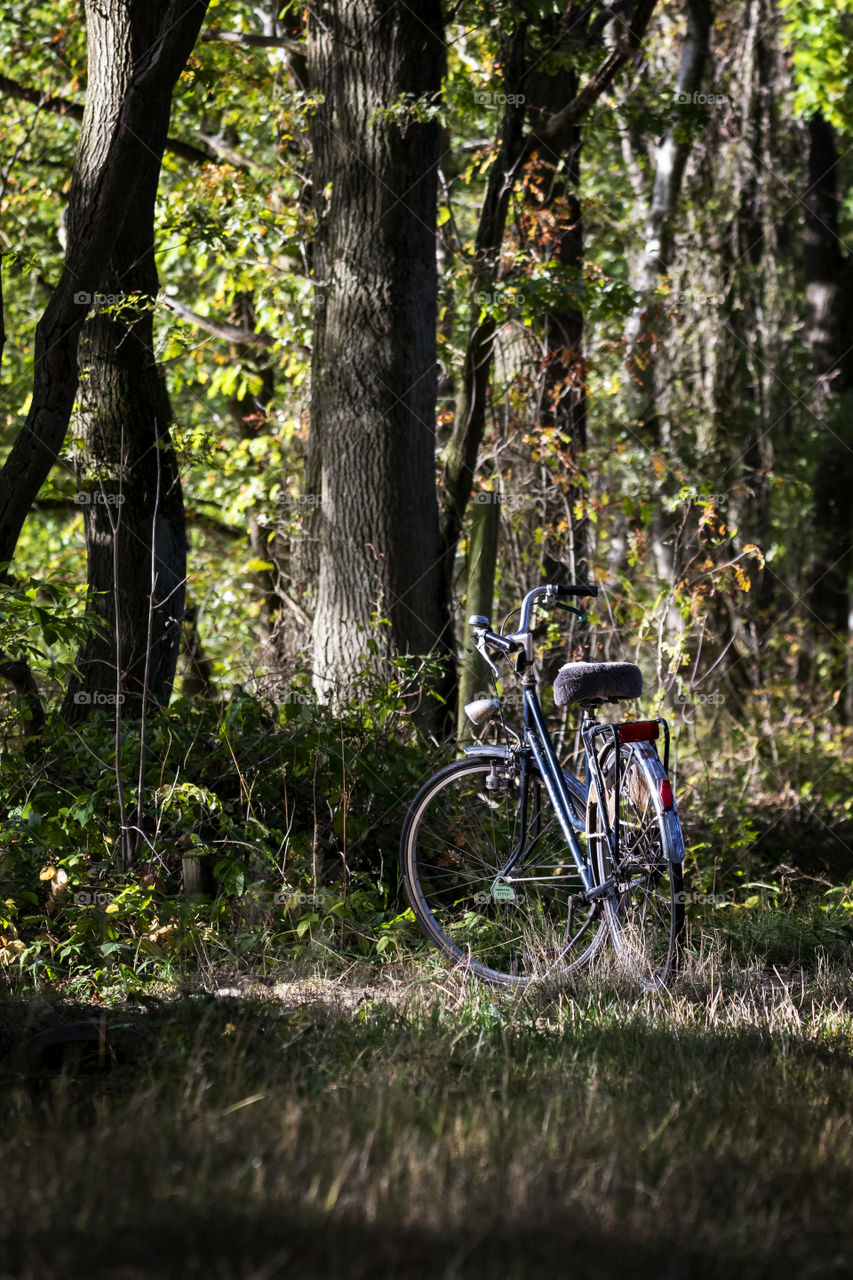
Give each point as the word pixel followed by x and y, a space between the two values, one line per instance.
pixel 409 1123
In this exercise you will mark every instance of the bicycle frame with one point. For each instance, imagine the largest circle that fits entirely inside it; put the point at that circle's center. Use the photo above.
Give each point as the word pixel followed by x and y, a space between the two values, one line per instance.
pixel 536 743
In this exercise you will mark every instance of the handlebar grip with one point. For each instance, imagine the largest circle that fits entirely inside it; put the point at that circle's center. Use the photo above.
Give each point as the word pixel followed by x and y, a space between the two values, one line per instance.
pixel 501 642
pixel 577 589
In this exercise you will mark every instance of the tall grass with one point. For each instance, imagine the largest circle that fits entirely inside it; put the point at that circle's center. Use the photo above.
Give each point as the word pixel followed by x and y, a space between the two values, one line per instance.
pixel 410 1123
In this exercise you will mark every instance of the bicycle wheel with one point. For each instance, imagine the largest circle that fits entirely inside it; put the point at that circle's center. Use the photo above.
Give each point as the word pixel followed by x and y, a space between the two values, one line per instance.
pixel 458 837
pixel 646 914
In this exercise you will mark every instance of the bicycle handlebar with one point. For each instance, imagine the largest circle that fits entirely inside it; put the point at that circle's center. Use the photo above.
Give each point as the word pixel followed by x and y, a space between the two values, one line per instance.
pixel 577 589
pixel 553 591
pixel 512 643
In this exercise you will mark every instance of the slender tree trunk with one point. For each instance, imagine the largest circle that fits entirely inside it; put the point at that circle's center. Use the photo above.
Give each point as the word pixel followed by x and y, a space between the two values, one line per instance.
pixel 553 134
pixel 470 419
pixel 551 199
pixel 482 558
pixel 374 369
pixel 645 327
pixel 829 277
pixel 126 467
pixel 670 157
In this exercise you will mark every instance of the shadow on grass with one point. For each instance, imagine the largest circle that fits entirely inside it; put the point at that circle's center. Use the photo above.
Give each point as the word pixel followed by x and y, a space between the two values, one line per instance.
pixel 472 1134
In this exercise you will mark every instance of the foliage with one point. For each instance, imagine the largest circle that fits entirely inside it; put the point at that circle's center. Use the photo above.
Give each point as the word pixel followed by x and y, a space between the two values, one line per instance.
pixel 697 531
pixel 295 811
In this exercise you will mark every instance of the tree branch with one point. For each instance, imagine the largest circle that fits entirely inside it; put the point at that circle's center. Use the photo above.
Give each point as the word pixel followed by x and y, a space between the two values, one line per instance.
pixel 60 106
pixel 233 333
pixel 559 123
pixel 254 42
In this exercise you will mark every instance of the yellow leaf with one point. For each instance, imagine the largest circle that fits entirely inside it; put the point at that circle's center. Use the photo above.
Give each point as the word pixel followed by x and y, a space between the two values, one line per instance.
pixel 112 909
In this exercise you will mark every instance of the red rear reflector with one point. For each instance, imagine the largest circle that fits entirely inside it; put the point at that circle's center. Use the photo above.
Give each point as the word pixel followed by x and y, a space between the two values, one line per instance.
pixel 639 731
pixel 665 792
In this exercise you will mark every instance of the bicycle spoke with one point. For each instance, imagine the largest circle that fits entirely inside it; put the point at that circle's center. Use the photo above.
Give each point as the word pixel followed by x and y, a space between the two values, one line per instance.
pixel 645 914
pixel 458 842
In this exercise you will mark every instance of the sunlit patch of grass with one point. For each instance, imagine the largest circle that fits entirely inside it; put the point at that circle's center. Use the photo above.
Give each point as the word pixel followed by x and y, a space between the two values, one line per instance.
pixel 413 1122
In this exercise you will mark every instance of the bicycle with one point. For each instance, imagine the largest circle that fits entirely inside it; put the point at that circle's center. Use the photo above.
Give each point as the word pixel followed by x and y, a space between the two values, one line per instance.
pixel 514 867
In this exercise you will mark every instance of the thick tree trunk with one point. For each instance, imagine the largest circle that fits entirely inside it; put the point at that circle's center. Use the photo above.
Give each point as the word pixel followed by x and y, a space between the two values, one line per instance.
pixel 101 193
pixel 128 477
pixel 374 369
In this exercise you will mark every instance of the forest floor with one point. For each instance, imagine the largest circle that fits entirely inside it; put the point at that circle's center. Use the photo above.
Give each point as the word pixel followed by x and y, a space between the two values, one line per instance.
pixel 402 1121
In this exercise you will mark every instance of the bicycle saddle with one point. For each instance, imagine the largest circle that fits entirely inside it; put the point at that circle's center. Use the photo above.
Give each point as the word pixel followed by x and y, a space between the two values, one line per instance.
pixel 597 682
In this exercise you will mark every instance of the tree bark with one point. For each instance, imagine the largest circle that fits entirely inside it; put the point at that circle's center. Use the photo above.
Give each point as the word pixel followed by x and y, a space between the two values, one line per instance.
pixel 127 472
pixel 482 558
pixel 670 158
pixel 828 284
pixel 374 369
pixel 102 191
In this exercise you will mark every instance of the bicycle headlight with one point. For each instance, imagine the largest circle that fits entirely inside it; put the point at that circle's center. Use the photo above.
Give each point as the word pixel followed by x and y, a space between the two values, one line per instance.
pixel 482 711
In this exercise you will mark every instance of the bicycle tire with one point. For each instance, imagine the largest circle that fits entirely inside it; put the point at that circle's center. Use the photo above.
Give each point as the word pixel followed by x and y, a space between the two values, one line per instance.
pixel 457 837
pixel 645 916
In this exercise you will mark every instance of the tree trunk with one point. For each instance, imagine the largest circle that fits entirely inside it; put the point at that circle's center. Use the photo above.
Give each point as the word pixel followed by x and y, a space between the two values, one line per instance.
pixel 553 134
pixel 645 326
pixel 551 196
pixel 482 557
pixel 102 191
pixel 670 157
pixel 374 369
pixel 127 472
pixel 828 282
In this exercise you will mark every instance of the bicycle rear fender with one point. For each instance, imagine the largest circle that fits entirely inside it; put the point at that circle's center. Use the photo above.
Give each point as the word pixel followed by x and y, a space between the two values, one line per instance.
pixel 653 768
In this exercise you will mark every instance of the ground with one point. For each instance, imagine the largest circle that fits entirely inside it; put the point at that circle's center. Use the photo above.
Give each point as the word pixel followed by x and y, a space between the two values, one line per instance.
pixel 406 1122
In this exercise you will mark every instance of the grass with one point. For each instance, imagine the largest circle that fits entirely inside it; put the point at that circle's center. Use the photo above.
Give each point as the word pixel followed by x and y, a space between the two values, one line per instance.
pixel 405 1122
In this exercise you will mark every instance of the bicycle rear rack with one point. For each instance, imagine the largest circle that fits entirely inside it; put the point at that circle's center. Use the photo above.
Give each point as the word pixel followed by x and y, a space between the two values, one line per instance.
pixel 589 731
